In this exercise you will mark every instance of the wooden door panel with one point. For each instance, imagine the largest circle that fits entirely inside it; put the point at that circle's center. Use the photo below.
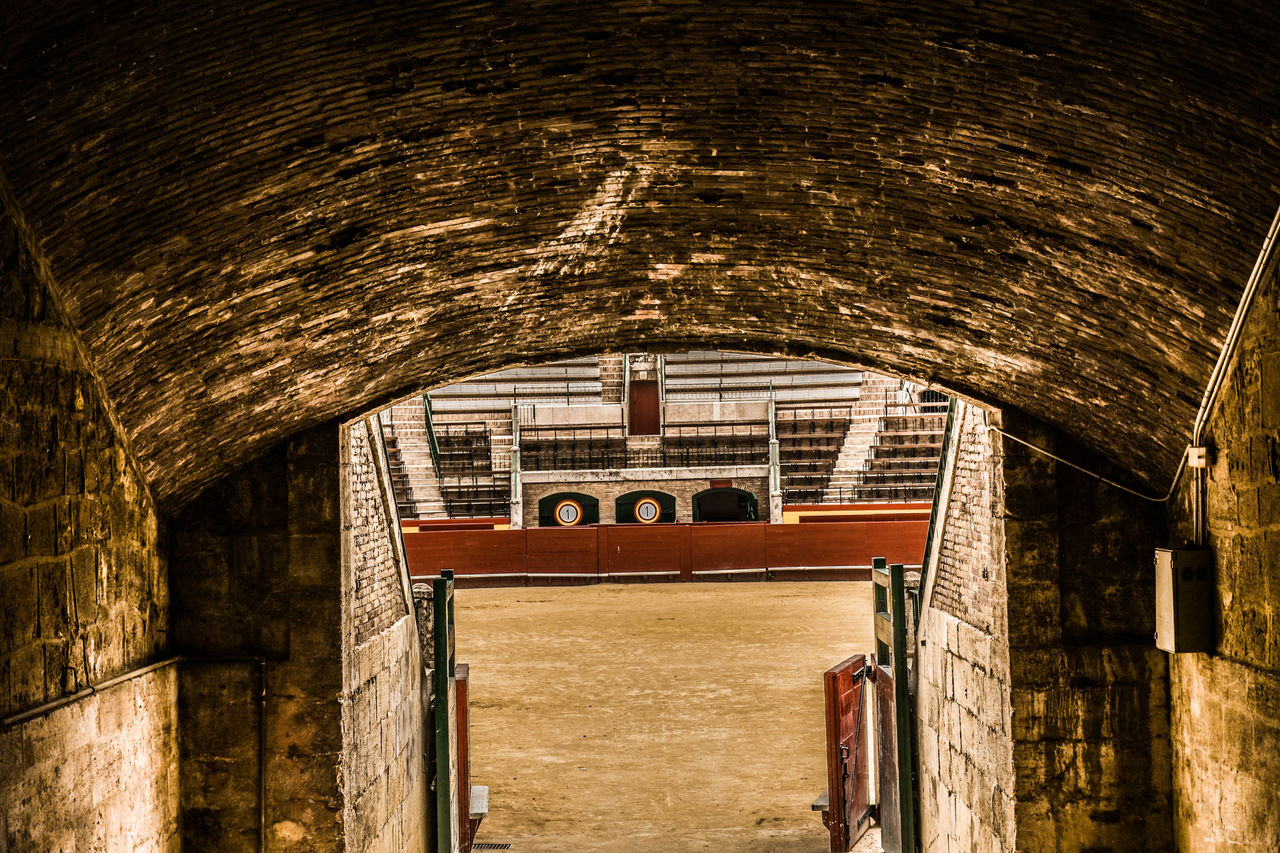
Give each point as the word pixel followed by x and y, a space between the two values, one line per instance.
pixel 887 762
pixel 644 407
pixel 848 759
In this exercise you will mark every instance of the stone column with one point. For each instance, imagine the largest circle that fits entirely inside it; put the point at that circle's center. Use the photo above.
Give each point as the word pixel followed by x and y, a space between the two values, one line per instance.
pixel 258 575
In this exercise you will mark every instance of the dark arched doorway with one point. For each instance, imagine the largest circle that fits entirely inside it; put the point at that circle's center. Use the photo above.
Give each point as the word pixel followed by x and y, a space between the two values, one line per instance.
pixel 725 504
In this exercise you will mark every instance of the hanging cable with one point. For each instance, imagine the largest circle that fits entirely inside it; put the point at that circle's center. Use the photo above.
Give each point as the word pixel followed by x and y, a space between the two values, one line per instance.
pixel 1216 380
pixel 1095 474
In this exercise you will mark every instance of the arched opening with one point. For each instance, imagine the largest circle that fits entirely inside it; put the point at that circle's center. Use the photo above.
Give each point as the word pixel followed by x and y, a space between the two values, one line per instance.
pixel 362 219
pixel 724 503
pixel 645 507
pixel 568 509
pixel 552 435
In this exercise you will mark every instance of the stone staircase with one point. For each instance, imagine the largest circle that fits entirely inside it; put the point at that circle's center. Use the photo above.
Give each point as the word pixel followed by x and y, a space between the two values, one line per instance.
pixel 897 457
pixel 413 475
pixel 612 375
pixel 877 393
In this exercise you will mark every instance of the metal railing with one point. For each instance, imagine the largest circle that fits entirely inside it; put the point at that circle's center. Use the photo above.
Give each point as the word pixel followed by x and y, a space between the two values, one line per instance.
pixel 532 459
pixel 758 429
pixel 593 432
pixel 844 494
pixel 475 495
pixel 431 433
pixel 948 438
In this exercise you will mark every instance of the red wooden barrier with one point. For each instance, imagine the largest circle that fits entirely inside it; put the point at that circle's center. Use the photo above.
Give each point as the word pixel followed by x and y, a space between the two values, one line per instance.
pixel 466 551
pixel 665 551
pixel 845 544
pixel 645 550
pixel 721 548
pixel 562 551
pixel 864 511
pixel 478 523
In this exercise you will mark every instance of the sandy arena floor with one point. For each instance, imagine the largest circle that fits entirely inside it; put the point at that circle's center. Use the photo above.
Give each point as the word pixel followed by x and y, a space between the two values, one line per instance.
pixel 667 717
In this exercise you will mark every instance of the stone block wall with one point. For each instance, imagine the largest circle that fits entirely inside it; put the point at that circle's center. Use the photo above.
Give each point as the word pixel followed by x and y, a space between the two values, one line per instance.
pixel 1043 718
pixel 100 773
pixel 257 574
pixel 608 490
pixel 1226 705
pixel 1089 691
pixel 83 589
pixel 970 582
pixel 375 592
pixel 383 717
pixel 964 726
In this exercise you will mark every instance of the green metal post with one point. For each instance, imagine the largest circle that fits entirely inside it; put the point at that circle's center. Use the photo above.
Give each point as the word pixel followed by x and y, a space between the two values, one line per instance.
pixel 902 708
pixel 446 742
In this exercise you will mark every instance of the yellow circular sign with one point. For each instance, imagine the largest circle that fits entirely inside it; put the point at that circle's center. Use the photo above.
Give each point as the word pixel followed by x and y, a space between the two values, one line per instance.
pixel 568 513
pixel 647 511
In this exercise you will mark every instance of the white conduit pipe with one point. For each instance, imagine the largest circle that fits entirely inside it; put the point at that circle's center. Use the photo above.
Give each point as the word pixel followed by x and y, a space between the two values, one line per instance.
pixel 1218 377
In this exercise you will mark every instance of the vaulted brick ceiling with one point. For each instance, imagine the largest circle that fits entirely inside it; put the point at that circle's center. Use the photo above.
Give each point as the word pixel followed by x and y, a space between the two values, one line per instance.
pixel 264 217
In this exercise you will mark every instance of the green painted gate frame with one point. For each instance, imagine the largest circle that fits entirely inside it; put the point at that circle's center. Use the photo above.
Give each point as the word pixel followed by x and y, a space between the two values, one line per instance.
pixel 445 671
pixel 890 585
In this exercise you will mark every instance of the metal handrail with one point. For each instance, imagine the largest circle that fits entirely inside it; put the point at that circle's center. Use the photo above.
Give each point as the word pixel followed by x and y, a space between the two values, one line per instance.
pixel 599 432
pixel 934 521
pixel 621 458
pixel 431 433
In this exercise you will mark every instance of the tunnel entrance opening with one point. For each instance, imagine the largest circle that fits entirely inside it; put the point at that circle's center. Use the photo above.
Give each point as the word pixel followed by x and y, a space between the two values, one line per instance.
pixel 655 718
pixel 449 212
pixel 538 476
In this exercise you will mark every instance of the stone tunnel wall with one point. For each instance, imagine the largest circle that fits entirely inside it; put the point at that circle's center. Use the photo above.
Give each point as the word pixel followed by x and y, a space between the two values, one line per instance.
pixel 1226 705
pixel 1044 718
pixel 256 577
pixel 963 712
pixel 1089 689
pixel 383 716
pixel 83 590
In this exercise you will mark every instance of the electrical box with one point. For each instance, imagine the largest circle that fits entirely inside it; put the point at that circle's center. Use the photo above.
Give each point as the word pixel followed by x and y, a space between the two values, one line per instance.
pixel 1184 599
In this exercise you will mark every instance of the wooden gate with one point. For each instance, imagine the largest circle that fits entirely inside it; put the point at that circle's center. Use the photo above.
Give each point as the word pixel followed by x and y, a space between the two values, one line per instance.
pixel 848 809
pixel 894 781
pixel 644 417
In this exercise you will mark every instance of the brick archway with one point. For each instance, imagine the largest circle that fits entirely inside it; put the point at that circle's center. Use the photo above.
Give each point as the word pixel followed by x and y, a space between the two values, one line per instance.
pixel 1018 203
pixel 223 230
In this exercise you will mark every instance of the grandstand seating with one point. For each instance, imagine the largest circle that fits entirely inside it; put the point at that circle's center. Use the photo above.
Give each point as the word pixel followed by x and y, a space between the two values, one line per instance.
pixel 843 435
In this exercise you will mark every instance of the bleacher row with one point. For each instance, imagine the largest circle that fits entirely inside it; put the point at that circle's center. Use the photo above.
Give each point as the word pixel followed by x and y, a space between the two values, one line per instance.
pixel 822 415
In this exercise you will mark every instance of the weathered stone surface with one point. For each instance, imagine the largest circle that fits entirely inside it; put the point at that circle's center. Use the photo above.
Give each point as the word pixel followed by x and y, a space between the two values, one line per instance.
pixel 83 590
pixel 964 727
pixel 98 774
pixel 1226 705
pixel 1038 678
pixel 80 554
pixel 384 720
pixel 1089 692
pixel 260 557
pixel 989 196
